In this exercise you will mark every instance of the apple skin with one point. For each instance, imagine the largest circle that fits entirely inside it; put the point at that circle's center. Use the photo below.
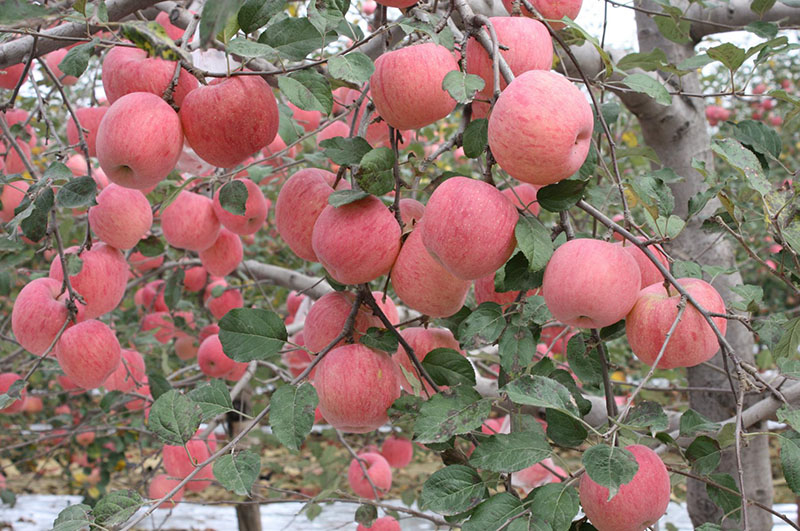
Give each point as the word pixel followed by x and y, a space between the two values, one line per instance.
pixel 229 119
pixel 189 222
pixel 407 96
pixel 548 338
pixel 540 128
pixel 422 340
pixel 469 227
pixel 590 283
pixel 485 292
pixel 164 324
pixel 550 9
pixel 325 320
pixel 88 353
pixel 179 465
pixel 387 306
pixel 224 256
pixel 301 200
pixel 423 284
pixel 186 347
pixel 6 380
pixel 90 118
pixel 356 385
pixel 308 120
pixel 638 504
pixel 129 374
pixel 101 281
pixel 357 242
pixel 11 196
pixel 523 197
pixel 127 70
pixel 411 212
pixel 255 211
pixel 53 59
pixel 378 470
pixel 650 273
pixel 693 341
pixel 13 162
pixel 386 523
pixel 151 297
pixel 162 484
pixel 139 140
pixel 529 48
pixel 10 76
pixel 173 31
pixel 537 475
pixel 213 361
pixel 398 451
pixel 121 216
pixel 194 278
pixel 219 306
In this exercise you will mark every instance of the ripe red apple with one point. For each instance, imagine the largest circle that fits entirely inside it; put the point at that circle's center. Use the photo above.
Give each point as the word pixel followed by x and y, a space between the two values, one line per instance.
pixel 219 306
pixel 410 97
pixel 88 353
pixel 11 76
pixel 422 341
pixel 139 140
pixel 129 374
pixel 189 222
pixel 39 313
pixel 162 484
pixel 11 196
pixel 356 242
pixel 121 216
pixel 179 465
pixel 164 325
pixel 90 118
pixel 423 284
pixel 7 379
pixel 151 297
pixel 224 256
pixel 13 162
pixel 127 70
pixel 656 308
pixel 173 31
pixel 142 263
pixel 650 273
pixel 387 523
pixel 325 320
pixel 308 120
pixel 386 304
pixel 255 211
pixel 213 361
pixel 356 385
pixel 552 10
pixel 229 119
pixel 527 47
pixel 638 504
pixel 523 196
pixel 300 202
pixel 541 128
pixel 590 283
pixel 101 281
pixel 411 212
pixel 469 227
pixel 549 335
pixel 53 59
pixel 186 347
pixel 378 470
pixel 194 278
pixel 537 475
pixel 398 451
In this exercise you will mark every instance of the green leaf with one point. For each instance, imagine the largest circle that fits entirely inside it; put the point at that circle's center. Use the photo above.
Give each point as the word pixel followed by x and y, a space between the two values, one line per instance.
pixel 150 246
pixel 516 349
pixel 445 415
pixel 728 54
pixel 254 14
pixel 650 86
pixel 308 90
pixel 673 27
pixel 759 7
pixel 646 61
pixel 475 137
pixel 249 334
pixel 294 38
pixel 233 197
pixel 247 49
pixel 483 326
pixel 345 197
pixel 345 151
pixel 555 503
pixel 516 275
pixel 534 241
pixel 448 367
pixel 292 413
pixel 668 227
pixel 379 339
pixel 693 422
pixel 790 460
pixel 743 160
pixel 452 490
pixel 561 196
pixel 765 30
pixel 790 340
pixel 511 452
pixel 648 415
pixel 76 60
pixel 729 503
pixel 158 384
pixel 584 363
pixel 213 399
pixel 695 62
pixel 759 137
pixel 174 418
pixel 73 518
pixel 704 454
pixel 237 473
pixel 462 86
pixel 610 466
pixel 654 194
pixel 34 226
pixel 494 512
pixel 354 67
pixel 790 417
pixel 76 193
pixel 366 514
pixel 374 174
pixel 117 507
pixel 15 11
pixel 173 288
pixel 542 392
pixel 214 17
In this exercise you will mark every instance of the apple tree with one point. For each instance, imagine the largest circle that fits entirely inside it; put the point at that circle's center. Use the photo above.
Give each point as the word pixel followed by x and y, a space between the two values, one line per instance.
pixel 248 237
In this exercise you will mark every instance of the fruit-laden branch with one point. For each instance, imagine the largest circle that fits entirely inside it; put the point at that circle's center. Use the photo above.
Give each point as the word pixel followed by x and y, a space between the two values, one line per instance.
pixel 15 51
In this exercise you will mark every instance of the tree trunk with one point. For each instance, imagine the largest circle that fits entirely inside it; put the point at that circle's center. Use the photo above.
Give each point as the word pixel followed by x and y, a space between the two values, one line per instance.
pixel 247 514
pixel 678 134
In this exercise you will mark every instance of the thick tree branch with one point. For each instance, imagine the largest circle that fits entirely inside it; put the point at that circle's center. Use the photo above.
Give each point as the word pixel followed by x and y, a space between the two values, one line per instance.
pixel 736 14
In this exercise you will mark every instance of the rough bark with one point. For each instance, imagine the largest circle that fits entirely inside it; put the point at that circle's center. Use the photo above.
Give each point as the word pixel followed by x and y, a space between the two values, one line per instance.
pixel 678 134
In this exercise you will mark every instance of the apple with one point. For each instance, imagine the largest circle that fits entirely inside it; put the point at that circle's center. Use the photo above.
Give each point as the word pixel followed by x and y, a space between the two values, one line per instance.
pixel 151 297
pixel 656 308
pixel 189 222
pixel 552 10
pixel 422 341
pixel 549 335
pixel 129 374
pixel 377 133
pixel 410 97
pixel 761 88
pixel 53 59
pixel 387 306
pixel 194 278
pixel 88 353
pixel 38 314
pixel 590 283
pixel 164 324
pixel 213 361
pixel 398 451
pixel 293 302
pixel 255 211
pixel 101 281
pixel 89 118
pixel 300 202
pixel 523 196
pixel 469 227
pixel 387 523
pixel 13 161
pixel 121 217
pixel 308 120
pixel 411 212
pixel 127 70
pixel 11 196
pixel 650 273
pixel 219 306
pixel 229 119
pixel 224 256
pixel 161 484
pixel 139 140
pixel 537 475
pixel 378 470
pixel 179 462
pixel 638 504
pixel 142 263
pixel 325 320
pixel 11 75
pixel 173 31
pixel 526 46
pixel 7 379
pixel 186 347
pixel 356 385
pixel 356 242
pixel 208 330
pixel 85 438
pixel 541 127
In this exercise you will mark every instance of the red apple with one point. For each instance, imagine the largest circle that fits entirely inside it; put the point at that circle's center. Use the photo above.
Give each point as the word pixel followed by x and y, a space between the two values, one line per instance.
pixel 189 222
pixel 88 353
pixel 224 256
pixel 255 211
pixel 325 320
pixel 398 451
pixel 378 470
pixel 121 216
pixel 89 118
pixel 422 341
pixel 127 70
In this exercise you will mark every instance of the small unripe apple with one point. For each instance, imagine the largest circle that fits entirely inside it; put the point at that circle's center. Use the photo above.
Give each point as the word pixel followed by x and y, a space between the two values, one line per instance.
pixel 378 470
